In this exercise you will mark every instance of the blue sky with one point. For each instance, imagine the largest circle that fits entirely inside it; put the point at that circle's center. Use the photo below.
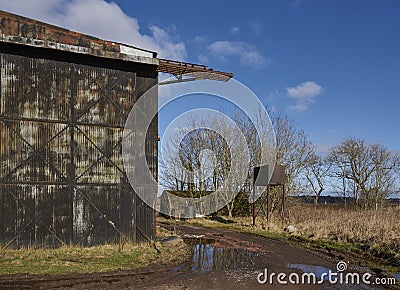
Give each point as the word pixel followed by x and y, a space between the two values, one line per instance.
pixel 332 65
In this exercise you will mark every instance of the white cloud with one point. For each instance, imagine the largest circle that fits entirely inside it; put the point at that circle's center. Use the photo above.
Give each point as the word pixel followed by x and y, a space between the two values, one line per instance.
pixel 200 39
pixel 299 107
pixel 305 90
pixel 248 54
pixel 101 19
pixel 45 10
pixel 168 44
pixel 235 30
pixel 203 58
pixel 304 95
pixel 255 25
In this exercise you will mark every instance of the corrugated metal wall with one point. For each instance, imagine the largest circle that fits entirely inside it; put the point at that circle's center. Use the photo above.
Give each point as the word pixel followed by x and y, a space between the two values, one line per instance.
pixel 62 177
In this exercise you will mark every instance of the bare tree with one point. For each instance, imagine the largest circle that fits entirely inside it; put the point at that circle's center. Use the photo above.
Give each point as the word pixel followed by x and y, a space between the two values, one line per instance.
pixel 338 172
pixel 293 150
pixel 383 180
pixel 205 162
pixel 368 170
pixel 316 173
pixel 172 176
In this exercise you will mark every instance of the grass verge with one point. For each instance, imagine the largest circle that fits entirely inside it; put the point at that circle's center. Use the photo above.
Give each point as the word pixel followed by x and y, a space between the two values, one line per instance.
pixel 73 259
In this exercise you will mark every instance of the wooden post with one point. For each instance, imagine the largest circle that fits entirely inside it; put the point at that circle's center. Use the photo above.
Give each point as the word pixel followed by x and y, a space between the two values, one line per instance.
pixel 283 204
pixel 174 226
pixel 268 203
pixel 254 205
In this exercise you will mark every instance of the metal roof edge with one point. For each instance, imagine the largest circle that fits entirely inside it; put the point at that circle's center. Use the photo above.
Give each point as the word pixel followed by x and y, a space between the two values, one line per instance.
pixel 26 31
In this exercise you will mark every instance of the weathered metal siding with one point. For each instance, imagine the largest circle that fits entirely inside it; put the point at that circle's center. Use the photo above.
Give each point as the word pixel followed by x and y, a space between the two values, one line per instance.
pixel 62 179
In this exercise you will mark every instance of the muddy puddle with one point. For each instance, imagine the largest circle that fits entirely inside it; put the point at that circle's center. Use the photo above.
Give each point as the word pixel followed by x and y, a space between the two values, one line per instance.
pixel 206 257
pixel 321 272
pixel 317 270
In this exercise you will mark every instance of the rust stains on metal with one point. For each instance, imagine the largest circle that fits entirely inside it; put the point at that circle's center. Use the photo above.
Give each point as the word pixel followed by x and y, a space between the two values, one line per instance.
pixel 62 178
pixel 62 118
pixel 21 30
pixel 197 71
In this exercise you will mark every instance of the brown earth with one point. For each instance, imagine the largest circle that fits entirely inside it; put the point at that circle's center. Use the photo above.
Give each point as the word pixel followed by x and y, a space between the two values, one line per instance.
pixel 260 253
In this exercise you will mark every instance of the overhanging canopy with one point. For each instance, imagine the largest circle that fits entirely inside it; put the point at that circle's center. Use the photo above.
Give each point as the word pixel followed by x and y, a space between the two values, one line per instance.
pixel 191 71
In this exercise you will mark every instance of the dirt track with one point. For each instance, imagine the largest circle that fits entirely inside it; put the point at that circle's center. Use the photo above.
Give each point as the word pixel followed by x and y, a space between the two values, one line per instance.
pixel 265 253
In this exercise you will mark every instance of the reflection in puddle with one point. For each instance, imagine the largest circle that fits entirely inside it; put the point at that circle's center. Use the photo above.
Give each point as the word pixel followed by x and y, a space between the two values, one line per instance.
pixel 206 257
pixel 320 270
pixel 198 241
pixel 317 270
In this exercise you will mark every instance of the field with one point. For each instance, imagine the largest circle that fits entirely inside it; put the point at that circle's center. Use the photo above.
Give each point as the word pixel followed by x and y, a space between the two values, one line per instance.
pixel 380 228
pixel 373 236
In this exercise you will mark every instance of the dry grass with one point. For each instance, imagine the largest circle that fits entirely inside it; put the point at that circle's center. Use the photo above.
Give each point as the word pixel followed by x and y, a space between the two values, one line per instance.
pixel 74 259
pixel 242 224
pixel 368 234
pixel 333 223
pixel 376 228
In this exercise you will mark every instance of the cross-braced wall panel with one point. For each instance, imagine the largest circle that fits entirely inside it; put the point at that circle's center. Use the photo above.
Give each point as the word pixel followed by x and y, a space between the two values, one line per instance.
pixel 62 175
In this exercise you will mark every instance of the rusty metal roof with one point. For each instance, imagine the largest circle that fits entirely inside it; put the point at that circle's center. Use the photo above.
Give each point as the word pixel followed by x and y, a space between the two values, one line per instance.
pixel 195 71
pixel 22 30
pixel 25 31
